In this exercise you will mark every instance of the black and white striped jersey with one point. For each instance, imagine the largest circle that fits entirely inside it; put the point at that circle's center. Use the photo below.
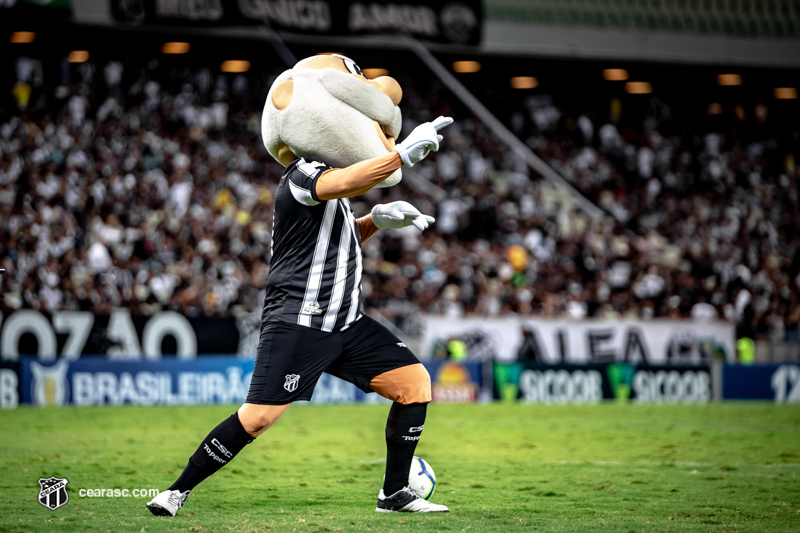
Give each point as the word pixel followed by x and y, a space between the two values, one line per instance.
pixel 315 274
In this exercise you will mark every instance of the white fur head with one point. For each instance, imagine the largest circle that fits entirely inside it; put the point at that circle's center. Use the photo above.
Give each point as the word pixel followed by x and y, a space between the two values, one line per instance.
pixel 325 109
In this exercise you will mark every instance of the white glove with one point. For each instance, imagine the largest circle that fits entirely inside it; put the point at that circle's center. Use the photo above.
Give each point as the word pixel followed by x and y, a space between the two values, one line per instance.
pixel 422 140
pixel 399 215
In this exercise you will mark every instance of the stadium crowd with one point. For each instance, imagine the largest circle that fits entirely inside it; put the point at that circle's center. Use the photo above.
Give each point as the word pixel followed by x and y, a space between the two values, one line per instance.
pixel 147 187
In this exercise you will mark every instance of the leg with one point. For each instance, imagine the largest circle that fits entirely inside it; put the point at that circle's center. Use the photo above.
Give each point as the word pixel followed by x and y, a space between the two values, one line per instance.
pixel 410 389
pixel 226 440
pixel 217 449
pixel 288 365
pixel 375 360
pixel 256 419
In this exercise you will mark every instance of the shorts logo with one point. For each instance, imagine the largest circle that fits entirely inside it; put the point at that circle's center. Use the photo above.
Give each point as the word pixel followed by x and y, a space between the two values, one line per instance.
pixel 291 382
pixel 402 345
pixel 312 309
pixel 53 492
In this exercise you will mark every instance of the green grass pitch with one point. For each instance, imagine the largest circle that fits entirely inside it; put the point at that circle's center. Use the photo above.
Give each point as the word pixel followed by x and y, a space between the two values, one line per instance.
pixel 500 467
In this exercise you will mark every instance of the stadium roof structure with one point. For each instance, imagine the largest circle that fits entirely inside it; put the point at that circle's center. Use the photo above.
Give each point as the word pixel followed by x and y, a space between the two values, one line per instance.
pixel 758 33
pixel 729 32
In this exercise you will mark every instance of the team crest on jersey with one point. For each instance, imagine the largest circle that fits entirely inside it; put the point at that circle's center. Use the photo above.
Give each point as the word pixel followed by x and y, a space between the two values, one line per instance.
pixel 312 309
pixel 53 492
pixel 291 382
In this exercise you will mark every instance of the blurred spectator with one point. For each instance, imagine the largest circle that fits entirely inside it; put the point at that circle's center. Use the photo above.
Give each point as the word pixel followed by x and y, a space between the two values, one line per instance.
pixel 145 187
pixel 529 350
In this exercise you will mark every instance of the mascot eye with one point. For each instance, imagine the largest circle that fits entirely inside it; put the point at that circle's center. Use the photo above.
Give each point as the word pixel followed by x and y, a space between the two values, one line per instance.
pixel 350 65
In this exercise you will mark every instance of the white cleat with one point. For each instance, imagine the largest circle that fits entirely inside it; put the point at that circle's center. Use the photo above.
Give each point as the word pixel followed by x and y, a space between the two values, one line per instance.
pixel 168 502
pixel 406 500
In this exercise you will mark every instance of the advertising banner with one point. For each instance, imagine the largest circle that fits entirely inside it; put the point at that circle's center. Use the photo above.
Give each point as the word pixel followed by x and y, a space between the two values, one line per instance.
pixel 449 21
pixel 98 381
pixel 124 336
pixel 9 385
pixel 210 380
pixel 780 383
pixel 121 335
pixel 454 382
pixel 654 342
pixel 592 383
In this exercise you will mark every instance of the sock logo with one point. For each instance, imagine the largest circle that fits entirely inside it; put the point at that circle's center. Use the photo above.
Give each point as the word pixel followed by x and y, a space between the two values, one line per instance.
pixel 416 429
pixel 221 448
pixel 406 437
pixel 214 456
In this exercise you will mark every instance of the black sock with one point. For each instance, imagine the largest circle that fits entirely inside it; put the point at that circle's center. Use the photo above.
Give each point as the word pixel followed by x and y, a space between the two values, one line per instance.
pixel 403 429
pixel 216 450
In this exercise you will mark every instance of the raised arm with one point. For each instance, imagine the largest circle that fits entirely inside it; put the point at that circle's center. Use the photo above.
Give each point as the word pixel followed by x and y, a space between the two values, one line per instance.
pixel 361 177
pixel 357 179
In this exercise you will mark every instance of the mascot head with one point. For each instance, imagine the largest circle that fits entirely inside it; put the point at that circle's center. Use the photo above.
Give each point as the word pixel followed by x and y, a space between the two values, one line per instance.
pixel 325 109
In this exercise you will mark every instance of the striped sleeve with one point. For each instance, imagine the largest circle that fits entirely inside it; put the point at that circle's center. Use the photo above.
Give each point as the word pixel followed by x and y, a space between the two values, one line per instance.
pixel 303 181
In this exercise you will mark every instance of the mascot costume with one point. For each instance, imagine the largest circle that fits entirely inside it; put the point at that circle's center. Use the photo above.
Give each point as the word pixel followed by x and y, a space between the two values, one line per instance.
pixel 334 130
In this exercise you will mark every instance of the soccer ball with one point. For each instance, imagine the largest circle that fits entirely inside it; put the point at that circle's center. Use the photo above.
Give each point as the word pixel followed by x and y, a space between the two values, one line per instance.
pixel 421 478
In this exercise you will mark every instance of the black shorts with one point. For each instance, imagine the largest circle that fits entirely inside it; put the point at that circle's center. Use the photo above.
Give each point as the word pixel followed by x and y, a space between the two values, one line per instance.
pixel 291 358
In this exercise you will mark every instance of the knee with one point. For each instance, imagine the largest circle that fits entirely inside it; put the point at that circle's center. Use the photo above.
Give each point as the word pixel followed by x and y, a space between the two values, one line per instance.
pixel 421 392
pixel 405 385
pixel 256 423
pixel 256 419
pixel 256 426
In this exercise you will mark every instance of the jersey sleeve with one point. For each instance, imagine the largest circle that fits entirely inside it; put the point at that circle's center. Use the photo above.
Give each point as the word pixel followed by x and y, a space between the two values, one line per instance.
pixel 303 181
